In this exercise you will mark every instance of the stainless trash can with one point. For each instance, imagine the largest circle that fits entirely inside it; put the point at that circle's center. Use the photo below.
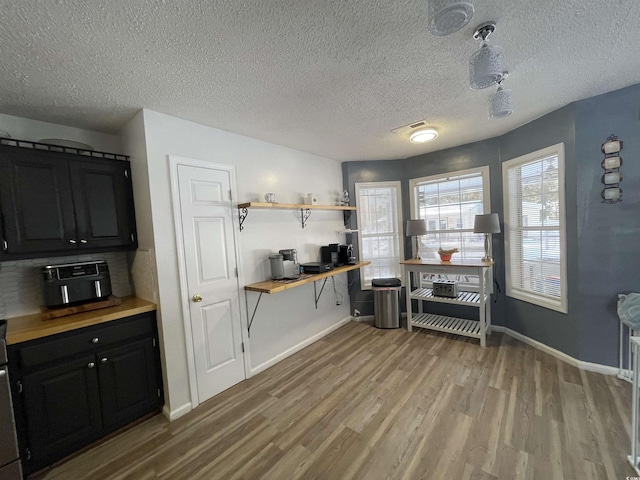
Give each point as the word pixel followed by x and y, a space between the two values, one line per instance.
pixel 386 302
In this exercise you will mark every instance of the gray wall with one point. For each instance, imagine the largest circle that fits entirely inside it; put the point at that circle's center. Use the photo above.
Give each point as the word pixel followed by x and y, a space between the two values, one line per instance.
pixel 608 235
pixel 602 258
pixel 358 172
pixel 555 329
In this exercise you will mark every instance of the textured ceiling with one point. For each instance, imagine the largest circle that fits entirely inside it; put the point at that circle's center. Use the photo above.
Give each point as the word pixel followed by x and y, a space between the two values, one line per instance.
pixel 330 77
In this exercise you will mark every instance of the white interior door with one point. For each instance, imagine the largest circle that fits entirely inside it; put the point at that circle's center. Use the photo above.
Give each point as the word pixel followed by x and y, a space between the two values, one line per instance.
pixel 211 277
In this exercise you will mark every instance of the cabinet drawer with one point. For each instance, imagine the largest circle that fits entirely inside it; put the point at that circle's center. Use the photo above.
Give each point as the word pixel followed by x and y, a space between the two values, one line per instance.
pixel 84 340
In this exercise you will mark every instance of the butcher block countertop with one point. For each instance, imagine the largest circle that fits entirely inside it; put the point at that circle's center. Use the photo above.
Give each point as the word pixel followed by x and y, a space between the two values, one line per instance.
pixel 30 327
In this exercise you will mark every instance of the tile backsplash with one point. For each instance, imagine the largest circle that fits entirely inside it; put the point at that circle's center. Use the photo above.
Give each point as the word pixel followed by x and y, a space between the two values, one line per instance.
pixel 20 290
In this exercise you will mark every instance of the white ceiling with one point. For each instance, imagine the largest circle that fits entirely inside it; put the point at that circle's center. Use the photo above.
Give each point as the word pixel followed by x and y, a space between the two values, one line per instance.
pixel 329 77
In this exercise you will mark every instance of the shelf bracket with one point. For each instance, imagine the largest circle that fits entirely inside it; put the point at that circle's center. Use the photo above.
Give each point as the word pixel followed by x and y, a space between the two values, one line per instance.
pixel 305 213
pixel 242 213
pixel 317 296
pixel 255 309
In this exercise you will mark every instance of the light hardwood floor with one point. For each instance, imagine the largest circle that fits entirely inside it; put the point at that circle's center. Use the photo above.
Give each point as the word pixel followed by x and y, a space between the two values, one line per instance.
pixel 374 404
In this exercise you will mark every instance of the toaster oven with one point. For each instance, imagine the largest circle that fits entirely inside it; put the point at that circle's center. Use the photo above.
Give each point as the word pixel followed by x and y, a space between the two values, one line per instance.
pixel 75 283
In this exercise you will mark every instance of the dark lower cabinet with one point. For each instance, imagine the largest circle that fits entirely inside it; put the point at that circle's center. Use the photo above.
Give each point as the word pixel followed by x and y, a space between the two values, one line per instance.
pixel 72 389
pixel 128 383
pixel 62 408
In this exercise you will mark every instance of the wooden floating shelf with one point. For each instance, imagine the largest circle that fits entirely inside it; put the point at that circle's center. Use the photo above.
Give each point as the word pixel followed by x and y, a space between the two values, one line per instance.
pixel 275 286
pixel 305 210
pixel 293 206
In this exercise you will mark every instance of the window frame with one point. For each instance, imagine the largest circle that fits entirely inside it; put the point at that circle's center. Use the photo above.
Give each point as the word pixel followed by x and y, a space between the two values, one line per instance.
pixel 400 232
pixel 546 301
pixel 484 172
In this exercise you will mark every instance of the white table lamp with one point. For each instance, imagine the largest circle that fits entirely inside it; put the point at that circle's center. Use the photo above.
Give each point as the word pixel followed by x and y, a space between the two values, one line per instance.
pixel 487 224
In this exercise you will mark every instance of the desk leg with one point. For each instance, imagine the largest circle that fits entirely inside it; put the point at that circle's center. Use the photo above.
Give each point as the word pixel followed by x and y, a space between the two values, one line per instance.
pixel 407 287
pixel 633 458
pixel 483 312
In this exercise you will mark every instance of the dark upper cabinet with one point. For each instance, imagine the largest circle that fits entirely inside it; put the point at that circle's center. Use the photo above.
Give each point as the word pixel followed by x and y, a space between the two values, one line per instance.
pixel 53 202
pixel 36 201
pixel 103 202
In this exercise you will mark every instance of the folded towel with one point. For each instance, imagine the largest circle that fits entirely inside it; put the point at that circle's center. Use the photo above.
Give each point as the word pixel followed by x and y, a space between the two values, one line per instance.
pixel 629 310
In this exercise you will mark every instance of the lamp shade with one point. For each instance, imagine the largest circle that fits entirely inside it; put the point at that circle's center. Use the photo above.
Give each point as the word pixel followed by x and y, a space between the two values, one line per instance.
pixel 489 223
pixel 485 67
pixel 416 227
pixel 500 104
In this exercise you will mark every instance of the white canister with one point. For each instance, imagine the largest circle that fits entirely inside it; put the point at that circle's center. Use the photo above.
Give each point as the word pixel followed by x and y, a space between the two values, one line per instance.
pixel 311 199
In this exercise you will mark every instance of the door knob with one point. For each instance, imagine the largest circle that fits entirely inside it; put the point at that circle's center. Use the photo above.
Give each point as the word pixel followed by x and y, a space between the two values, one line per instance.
pixel 197 298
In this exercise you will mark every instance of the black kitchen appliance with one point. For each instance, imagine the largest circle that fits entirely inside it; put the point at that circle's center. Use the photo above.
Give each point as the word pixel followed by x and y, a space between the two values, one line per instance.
pixel 75 283
pixel 10 467
pixel 346 256
pixel 331 254
pixel 316 267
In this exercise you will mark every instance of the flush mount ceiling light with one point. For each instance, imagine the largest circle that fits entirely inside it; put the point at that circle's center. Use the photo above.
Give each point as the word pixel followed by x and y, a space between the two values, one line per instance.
pixel 500 103
pixel 424 135
pixel 485 65
pixel 448 16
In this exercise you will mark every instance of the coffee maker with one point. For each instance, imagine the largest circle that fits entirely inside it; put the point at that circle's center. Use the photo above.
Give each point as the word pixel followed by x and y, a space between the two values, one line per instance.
pixel 284 265
pixel 346 256
pixel 331 254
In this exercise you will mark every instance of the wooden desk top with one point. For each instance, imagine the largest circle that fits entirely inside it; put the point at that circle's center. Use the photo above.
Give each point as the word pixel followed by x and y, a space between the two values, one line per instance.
pixel 30 327
pixel 275 286
pixel 452 263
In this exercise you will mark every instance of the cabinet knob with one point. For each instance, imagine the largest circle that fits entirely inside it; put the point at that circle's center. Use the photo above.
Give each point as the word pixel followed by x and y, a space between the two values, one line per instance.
pixel 72 241
pixel 83 241
pixel 91 365
pixel 103 360
pixel 3 373
pixel 95 340
pixel 197 298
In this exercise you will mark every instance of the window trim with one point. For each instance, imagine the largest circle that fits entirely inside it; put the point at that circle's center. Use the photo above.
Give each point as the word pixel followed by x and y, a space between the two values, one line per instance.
pixel 398 185
pixel 560 305
pixel 486 204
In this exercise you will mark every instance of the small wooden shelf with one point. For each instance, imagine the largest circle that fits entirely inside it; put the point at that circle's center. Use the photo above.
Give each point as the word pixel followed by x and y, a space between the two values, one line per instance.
pixel 463 298
pixel 275 286
pixel 293 206
pixel 442 323
pixel 305 210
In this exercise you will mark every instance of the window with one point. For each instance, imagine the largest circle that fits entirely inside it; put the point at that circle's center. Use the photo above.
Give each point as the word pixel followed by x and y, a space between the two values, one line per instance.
pixel 449 203
pixel 380 224
pixel 535 228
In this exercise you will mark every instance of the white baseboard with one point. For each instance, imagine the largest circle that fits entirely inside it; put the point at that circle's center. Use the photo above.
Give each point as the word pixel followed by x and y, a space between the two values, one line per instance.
pixel 296 348
pixel 370 318
pixel 177 413
pixel 591 367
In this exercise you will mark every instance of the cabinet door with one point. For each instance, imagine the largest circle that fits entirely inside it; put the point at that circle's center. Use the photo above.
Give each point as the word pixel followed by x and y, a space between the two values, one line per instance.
pixel 103 200
pixel 62 410
pixel 36 201
pixel 128 382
